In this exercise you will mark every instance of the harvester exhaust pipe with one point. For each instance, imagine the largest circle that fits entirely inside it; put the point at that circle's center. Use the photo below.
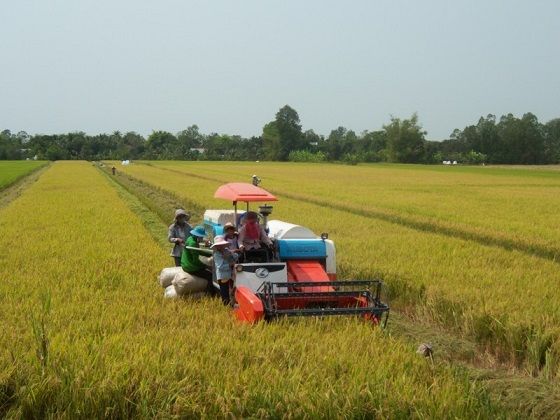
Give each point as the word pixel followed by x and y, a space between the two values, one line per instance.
pixel 265 211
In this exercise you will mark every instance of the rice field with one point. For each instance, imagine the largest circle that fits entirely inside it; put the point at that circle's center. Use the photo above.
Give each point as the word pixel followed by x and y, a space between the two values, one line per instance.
pixel 515 204
pixel 11 171
pixel 473 249
pixel 87 334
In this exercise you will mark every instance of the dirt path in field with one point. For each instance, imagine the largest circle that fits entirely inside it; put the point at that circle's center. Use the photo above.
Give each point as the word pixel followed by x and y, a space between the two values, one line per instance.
pixel 14 190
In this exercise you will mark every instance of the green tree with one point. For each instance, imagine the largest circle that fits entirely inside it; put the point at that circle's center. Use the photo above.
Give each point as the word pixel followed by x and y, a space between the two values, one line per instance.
pixel 311 140
pixel 405 140
pixel 552 141
pixel 56 152
pixel 289 129
pixel 522 139
pixel 161 145
pixel 189 139
pixel 339 143
pixel 271 141
pixel 10 145
pixel 371 146
pixel 132 146
pixel 253 148
pixel 283 135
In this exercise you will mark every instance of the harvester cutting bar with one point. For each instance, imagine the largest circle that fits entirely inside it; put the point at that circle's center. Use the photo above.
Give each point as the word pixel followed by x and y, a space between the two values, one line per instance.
pixel 330 311
pixel 311 294
pixel 320 298
pixel 332 283
pixel 336 285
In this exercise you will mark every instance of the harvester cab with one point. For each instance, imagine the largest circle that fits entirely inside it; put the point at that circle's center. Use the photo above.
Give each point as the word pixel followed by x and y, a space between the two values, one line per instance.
pixel 298 277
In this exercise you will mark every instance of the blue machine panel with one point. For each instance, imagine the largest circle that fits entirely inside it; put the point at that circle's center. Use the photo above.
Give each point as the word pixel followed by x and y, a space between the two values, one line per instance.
pixel 213 229
pixel 302 249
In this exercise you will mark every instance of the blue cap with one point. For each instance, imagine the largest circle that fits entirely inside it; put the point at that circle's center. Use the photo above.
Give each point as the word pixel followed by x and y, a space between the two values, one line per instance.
pixel 199 231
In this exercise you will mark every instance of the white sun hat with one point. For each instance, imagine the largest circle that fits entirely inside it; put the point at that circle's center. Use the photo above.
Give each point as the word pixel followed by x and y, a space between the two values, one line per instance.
pixel 219 240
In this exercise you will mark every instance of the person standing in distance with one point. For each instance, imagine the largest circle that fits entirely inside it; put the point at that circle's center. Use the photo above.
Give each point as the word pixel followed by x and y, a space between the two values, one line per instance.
pixel 178 233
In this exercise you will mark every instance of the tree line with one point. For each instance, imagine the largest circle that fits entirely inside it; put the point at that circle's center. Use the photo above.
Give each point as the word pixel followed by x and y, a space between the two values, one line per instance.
pixel 507 140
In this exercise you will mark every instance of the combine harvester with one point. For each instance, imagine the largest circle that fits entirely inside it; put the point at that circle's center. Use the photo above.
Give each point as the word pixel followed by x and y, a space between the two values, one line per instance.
pixel 298 276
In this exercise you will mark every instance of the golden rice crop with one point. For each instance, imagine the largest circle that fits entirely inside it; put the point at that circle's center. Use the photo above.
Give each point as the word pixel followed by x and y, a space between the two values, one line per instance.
pixel 505 298
pixel 86 332
pixel 514 204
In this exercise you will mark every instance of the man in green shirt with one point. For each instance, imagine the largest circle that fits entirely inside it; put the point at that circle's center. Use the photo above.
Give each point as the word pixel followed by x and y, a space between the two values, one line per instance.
pixel 190 263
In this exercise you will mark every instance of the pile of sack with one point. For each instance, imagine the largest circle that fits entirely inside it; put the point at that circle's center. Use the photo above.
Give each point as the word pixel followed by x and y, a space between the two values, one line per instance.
pixel 177 283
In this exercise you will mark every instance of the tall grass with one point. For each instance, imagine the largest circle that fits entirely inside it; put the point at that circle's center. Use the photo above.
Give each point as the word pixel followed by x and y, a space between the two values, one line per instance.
pixel 86 332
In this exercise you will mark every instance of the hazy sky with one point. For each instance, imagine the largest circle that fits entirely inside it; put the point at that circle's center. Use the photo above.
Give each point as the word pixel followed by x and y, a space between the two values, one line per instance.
pixel 228 66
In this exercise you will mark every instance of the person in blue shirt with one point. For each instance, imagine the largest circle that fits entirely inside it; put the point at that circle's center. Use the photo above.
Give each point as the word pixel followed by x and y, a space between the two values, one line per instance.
pixel 224 261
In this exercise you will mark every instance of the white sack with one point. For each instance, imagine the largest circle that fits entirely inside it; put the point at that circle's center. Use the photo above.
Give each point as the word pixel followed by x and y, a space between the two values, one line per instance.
pixel 186 283
pixel 167 274
pixel 208 261
pixel 170 292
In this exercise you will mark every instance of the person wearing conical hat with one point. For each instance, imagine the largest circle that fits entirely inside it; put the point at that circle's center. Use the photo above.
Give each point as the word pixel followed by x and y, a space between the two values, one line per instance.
pixel 230 235
pixel 224 261
pixel 178 233
pixel 190 261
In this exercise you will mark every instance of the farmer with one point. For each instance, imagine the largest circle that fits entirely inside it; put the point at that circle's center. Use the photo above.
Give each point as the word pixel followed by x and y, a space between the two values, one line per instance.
pixel 252 234
pixel 224 260
pixel 178 232
pixel 230 235
pixel 190 263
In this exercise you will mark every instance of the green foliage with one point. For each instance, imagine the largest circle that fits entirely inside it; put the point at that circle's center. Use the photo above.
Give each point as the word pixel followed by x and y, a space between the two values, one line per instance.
pixel 372 146
pixel 162 145
pixel 512 140
pixel 271 141
pixel 306 156
pixel 10 146
pixel 283 135
pixel 509 140
pixel 405 140
pixel 289 131
pixel 474 158
pixel 351 158
pixel 552 141
pixel 339 143
pixel 522 139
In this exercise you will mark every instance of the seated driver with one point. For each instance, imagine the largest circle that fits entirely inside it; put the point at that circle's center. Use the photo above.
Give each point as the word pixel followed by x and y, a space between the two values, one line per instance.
pixel 252 234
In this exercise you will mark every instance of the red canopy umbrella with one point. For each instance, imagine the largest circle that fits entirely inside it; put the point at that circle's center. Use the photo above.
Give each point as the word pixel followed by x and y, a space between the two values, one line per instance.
pixel 241 191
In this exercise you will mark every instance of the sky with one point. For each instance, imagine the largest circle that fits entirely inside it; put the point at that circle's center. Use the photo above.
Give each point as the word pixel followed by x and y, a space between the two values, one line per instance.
pixel 228 66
